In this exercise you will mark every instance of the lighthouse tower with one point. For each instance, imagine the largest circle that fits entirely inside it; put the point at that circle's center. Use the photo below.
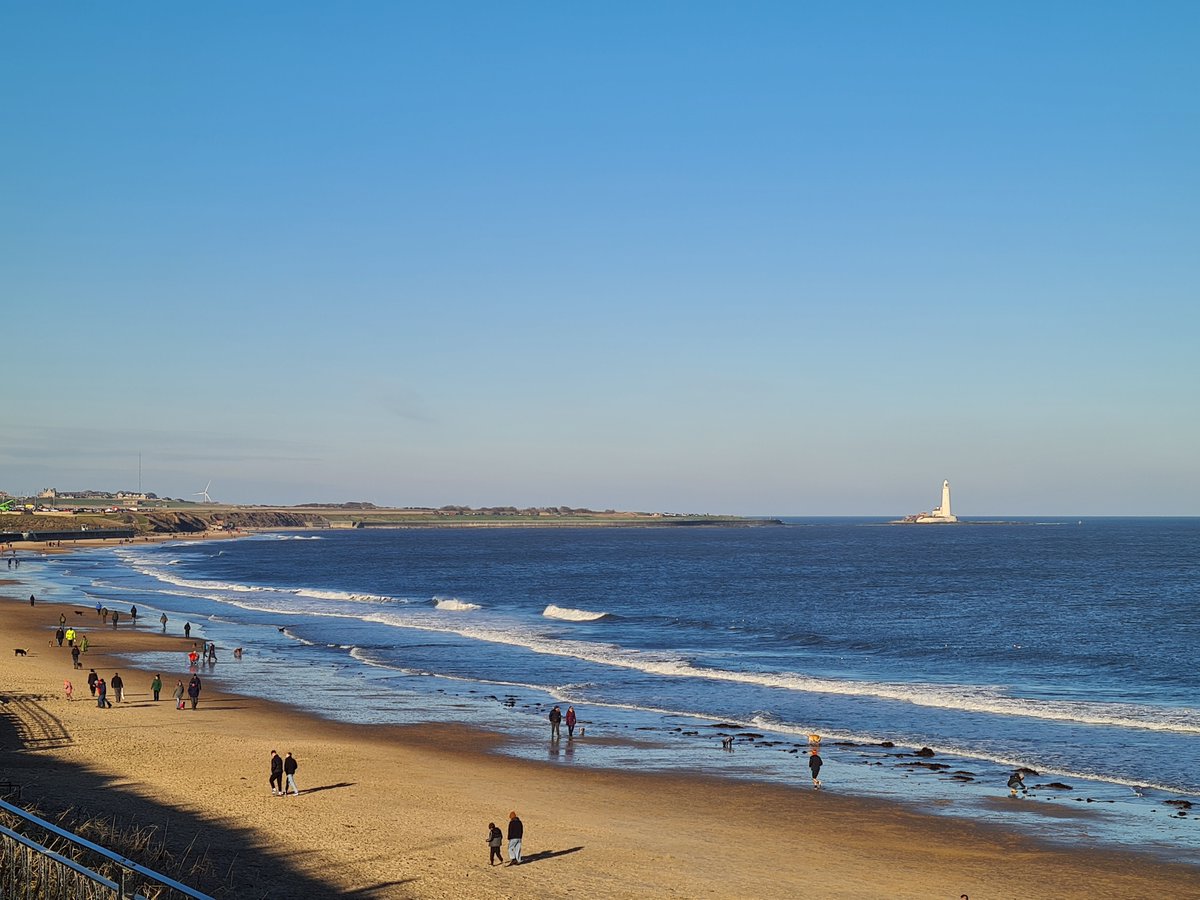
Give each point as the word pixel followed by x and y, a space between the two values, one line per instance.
pixel 942 513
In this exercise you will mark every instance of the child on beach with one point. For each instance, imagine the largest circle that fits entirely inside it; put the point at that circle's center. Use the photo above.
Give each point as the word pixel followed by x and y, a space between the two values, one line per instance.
pixel 494 838
pixel 69 689
pixel 814 764
pixel 1016 782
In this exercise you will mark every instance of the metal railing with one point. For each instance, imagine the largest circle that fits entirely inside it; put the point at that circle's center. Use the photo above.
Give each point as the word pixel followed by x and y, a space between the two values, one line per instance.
pixel 31 871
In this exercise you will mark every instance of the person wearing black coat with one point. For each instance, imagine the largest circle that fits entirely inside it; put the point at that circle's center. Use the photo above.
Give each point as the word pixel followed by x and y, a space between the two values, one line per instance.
pixel 276 774
pixel 516 831
pixel 289 769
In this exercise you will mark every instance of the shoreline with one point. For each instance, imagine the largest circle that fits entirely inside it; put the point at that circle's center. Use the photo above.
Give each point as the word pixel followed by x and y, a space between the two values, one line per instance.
pixel 402 810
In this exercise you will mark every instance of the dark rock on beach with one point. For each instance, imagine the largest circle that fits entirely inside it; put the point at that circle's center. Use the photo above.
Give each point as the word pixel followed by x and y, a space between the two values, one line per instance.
pixel 886 744
pixel 924 751
pixel 1182 804
pixel 1052 786
pixel 749 735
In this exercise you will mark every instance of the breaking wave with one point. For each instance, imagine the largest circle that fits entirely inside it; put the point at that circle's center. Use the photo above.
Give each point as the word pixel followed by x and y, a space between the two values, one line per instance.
pixel 572 615
pixel 453 604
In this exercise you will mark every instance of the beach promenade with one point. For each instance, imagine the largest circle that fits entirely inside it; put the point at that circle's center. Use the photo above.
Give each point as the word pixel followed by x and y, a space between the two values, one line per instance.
pixel 394 812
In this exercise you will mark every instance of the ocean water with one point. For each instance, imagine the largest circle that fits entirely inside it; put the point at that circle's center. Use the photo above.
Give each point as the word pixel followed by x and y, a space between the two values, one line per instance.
pixel 1069 647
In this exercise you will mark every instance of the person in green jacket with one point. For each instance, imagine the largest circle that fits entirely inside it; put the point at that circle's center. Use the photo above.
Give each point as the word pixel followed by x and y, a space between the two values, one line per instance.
pixel 156 685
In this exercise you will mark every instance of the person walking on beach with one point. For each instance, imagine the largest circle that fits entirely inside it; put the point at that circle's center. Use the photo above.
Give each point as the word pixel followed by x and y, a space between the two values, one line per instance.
pixel 59 635
pixel 194 690
pixel 814 764
pixel 156 685
pixel 178 695
pixel 555 723
pixel 494 839
pixel 98 607
pixel 83 644
pixel 104 615
pixel 187 629
pixel 276 775
pixel 62 617
pixel 91 680
pixel 571 723
pixel 33 599
pixel 289 769
pixel 118 686
pixel 133 615
pixel 75 663
pixel 163 619
pixel 70 636
pixel 516 831
pixel 102 695
pixel 116 617
pixel 69 689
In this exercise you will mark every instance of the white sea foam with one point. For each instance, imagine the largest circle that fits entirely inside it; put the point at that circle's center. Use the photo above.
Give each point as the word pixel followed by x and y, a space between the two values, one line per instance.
pixel 967 698
pixel 345 595
pixel 453 604
pixel 144 568
pixel 571 615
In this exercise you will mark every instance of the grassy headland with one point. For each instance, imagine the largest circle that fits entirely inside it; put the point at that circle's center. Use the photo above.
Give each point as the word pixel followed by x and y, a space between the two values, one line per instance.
pixel 192 518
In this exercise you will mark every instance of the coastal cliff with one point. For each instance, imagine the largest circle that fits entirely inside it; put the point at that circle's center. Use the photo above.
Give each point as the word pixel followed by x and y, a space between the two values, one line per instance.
pixel 70 526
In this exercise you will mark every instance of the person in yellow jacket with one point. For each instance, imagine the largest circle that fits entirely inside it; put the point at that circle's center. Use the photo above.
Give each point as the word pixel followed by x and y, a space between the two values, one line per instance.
pixel 70 637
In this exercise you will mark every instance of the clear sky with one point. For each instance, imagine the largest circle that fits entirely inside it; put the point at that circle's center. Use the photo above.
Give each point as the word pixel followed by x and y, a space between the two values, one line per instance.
pixel 763 258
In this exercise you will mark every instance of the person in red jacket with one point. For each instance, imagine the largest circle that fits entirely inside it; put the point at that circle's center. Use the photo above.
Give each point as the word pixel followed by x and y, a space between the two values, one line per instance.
pixel 570 723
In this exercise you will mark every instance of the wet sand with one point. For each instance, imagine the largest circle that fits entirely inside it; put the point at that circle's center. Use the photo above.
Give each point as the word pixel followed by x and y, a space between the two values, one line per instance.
pixel 403 811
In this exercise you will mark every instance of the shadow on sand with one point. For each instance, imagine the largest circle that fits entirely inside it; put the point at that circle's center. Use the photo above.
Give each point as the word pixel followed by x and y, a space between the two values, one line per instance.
pixel 546 854
pixel 237 866
pixel 329 787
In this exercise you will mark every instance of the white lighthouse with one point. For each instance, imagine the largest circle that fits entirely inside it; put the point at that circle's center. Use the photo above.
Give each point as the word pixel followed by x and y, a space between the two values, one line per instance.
pixel 939 514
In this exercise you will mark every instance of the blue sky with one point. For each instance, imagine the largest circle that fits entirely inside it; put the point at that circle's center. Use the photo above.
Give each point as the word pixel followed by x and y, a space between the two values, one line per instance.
pixel 763 258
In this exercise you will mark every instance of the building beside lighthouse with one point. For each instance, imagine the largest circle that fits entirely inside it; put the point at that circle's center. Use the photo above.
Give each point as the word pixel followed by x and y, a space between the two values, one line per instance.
pixel 938 515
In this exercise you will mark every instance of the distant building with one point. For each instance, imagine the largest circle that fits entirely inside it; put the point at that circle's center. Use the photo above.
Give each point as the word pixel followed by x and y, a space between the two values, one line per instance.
pixel 938 515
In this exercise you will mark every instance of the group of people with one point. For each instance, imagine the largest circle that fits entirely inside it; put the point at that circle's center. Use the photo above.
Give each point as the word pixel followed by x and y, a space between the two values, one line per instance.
pixel 556 720
pixel 207 652
pixel 99 689
pixel 516 831
pixel 281 768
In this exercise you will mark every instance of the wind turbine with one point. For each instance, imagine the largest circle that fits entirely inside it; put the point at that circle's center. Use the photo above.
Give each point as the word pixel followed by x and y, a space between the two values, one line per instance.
pixel 204 493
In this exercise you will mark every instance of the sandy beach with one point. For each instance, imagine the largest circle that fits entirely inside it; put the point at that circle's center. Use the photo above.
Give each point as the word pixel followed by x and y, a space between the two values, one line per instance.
pixel 403 811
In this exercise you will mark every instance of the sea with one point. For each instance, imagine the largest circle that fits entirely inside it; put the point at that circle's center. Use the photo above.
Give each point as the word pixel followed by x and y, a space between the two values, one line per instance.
pixel 1066 646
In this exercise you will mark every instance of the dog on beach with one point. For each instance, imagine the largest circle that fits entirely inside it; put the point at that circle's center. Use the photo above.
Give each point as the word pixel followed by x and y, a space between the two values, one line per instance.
pixel 17 651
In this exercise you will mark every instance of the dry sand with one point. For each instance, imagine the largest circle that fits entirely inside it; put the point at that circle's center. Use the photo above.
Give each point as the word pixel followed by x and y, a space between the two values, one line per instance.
pixel 394 812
